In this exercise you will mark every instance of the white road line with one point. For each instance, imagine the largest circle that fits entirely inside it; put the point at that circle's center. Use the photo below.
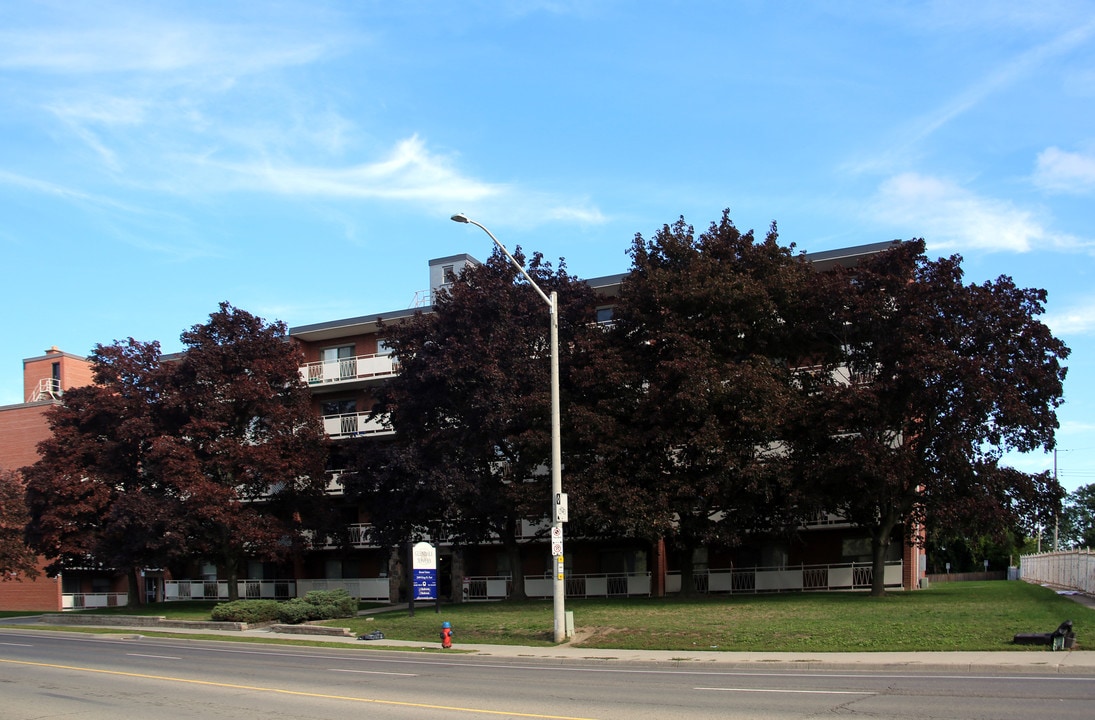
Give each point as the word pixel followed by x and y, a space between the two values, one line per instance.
pixel 17 644
pixel 372 672
pixel 154 657
pixel 802 692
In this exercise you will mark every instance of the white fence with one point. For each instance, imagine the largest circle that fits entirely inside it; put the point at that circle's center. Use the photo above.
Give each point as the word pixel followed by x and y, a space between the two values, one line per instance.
pixel 218 590
pixel 82 601
pixel 360 588
pixel 850 576
pixel 1074 570
pixel 577 586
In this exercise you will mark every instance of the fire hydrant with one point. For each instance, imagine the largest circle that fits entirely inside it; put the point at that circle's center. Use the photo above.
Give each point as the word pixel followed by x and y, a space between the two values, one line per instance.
pixel 446 634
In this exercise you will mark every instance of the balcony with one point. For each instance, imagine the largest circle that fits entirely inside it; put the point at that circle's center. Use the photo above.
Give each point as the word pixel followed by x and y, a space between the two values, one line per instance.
pixel 346 372
pixel 351 425
pixel 361 535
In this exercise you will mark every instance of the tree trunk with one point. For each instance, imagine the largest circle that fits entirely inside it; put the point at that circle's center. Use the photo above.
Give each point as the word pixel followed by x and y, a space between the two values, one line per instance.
pixel 880 543
pixel 233 571
pixel 134 580
pixel 516 564
pixel 684 554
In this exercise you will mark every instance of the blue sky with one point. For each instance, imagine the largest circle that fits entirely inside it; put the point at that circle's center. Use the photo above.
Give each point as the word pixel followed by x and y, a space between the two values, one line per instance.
pixel 301 159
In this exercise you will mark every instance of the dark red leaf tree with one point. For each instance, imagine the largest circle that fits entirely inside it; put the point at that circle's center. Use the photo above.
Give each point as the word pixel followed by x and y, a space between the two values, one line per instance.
pixel 708 331
pixel 97 497
pixel 215 454
pixel 471 453
pixel 249 453
pixel 924 383
pixel 16 558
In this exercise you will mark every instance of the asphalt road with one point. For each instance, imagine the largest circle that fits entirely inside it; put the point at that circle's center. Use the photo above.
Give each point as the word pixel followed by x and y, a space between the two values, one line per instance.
pixel 46 675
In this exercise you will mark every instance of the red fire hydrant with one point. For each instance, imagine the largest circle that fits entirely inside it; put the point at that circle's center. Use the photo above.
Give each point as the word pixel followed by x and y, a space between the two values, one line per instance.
pixel 446 634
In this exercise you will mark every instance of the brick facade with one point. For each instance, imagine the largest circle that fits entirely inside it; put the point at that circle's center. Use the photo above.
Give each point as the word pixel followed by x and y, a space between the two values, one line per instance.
pixel 22 427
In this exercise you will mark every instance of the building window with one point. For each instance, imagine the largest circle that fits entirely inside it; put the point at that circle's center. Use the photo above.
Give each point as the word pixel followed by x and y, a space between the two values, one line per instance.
pixel 382 347
pixel 448 274
pixel 344 357
pixel 345 406
pixel 604 314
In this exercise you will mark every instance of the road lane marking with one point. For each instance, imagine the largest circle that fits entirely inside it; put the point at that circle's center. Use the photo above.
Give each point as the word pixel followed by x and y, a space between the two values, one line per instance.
pixel 155 657
pixel 801 692
pixel 372 672
pixel 295 693
pixel 17 644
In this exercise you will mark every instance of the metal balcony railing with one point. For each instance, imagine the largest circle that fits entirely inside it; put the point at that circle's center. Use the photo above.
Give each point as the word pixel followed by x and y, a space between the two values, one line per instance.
pixel 351 369
pixel 351 425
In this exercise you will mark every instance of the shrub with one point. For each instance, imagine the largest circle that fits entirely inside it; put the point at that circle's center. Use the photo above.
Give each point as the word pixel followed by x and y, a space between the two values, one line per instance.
pixel 296 611
pixel 317 605
pixel 334 603
pixel 247 611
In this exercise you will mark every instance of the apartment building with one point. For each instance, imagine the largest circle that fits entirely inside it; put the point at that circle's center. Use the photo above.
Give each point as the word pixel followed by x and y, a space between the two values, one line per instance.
pixel 345 363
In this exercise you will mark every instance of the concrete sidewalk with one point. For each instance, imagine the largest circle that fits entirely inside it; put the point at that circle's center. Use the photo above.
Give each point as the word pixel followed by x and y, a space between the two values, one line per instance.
pixel 1038 660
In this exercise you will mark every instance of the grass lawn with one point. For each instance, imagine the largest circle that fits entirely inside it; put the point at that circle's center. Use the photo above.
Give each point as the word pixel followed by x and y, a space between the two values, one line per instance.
pixel 953 616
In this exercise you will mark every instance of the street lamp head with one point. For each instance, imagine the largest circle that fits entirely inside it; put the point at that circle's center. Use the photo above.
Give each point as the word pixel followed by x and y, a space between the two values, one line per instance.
pixel 460 218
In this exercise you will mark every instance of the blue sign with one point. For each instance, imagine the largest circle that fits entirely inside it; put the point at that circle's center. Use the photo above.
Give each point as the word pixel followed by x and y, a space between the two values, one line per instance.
pixel 425 584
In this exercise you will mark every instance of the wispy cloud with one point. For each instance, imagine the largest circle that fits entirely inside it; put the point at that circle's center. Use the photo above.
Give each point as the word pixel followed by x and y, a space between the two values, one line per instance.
pixel 1076 320
pixel 1067 172
pixel 907 139
pixel 950 216
pixel 409 172
pixel 135 39
pixel 154 230
pixel 1004 76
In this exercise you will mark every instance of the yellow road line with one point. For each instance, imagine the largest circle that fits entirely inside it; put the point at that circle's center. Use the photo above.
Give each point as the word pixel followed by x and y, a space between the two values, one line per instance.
pixel 424 706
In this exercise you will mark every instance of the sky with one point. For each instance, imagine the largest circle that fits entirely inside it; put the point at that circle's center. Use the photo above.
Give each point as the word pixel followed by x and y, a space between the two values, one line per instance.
pixel 301 160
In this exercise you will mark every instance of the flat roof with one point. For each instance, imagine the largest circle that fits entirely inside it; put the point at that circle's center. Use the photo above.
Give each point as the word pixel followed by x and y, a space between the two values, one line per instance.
pixel 606 285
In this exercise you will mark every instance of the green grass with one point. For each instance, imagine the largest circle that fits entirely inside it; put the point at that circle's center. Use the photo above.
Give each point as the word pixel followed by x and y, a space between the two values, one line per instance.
pixel 954 616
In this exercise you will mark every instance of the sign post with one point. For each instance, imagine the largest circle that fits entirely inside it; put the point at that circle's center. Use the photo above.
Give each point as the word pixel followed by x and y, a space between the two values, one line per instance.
pixel 424 569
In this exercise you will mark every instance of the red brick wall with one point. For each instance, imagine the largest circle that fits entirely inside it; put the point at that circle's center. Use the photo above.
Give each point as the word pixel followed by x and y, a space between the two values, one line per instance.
pixel 41 594
pixel 75 371
pixel 22 427
pixel 364 344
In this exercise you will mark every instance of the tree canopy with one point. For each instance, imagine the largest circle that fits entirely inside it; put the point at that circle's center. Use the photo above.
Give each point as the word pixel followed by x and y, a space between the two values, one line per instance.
pixel 1077 527
pixel 923 384
pixel 471 410
pixel 15 557
pixel 706 333
pixel 215 453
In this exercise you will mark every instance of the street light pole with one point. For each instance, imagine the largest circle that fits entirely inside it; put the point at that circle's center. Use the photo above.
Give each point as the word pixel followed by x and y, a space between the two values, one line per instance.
pixel 557 506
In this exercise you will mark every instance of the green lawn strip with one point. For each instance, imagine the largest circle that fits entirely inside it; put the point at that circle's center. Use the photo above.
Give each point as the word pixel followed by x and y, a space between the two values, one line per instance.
pixel 952 616
pixel 966 616
pixel 228 637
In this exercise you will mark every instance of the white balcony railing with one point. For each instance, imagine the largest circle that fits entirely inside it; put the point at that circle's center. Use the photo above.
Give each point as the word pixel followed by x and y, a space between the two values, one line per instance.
pixel 351 425
pixel 82 601
pixel 218 590
pixel 844 576
pixel 362 367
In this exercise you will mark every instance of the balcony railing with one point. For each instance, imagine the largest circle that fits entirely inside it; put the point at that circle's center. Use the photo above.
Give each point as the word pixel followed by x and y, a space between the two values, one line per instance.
pixel 218 590
pixel 849 576
pixel 351 425
pixel 81 601
pixel 351 369
pixel 361 534
pixel 47 389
